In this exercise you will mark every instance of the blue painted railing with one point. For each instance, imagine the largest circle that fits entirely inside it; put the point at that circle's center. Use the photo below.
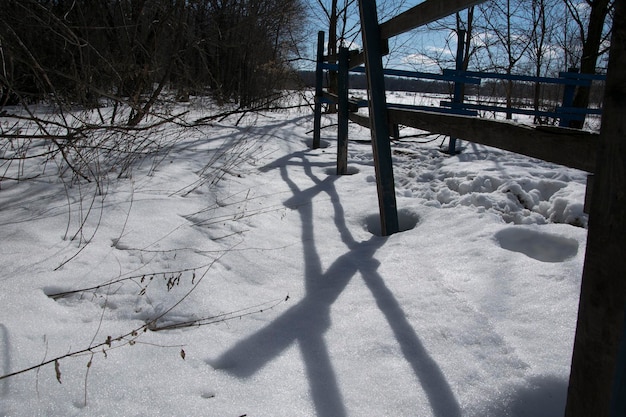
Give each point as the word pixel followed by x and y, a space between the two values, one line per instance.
pixel 565 113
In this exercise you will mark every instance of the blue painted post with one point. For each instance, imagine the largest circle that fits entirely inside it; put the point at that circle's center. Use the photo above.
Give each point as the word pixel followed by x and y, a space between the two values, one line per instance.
pixel 381 146
pixel 342 114
pixel 458 84
pixel 319 78
pixel 568 100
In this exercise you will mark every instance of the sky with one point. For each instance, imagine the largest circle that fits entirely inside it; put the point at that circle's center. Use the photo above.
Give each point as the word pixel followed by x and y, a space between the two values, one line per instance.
pixel 404 48
pixel 432 48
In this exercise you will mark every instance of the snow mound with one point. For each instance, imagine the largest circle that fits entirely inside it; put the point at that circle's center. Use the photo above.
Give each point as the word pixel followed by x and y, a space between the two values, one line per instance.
pixel 301 309
pixel 513 187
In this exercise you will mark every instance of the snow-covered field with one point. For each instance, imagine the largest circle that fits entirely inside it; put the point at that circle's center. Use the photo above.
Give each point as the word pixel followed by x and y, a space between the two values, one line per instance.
pixel 300 307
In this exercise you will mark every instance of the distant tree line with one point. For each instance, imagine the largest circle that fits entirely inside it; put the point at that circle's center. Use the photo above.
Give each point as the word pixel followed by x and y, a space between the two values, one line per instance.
pixel 522 91
pixel 84 51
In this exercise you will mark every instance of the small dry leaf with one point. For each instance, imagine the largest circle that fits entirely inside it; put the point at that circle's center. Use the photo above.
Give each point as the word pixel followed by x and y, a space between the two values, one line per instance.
pixel 182 354
pixel 57 370
pixel 108 341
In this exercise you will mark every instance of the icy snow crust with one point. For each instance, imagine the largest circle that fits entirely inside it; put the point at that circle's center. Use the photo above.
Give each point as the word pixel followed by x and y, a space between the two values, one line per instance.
pixel 470 311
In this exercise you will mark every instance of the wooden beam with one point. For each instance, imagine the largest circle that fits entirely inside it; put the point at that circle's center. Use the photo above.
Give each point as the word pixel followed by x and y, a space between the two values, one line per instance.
pixel 422 14
pixel 381 148
pixel 357 60
pixel 459 86
pixel 353 103
pixel 330 97
pixel 360 120
pixel 597 378
pixel 317 112
pixel 343 110
pixel 569 147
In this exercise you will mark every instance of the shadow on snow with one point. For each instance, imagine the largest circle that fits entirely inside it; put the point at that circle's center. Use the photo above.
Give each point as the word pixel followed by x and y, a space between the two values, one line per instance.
pixel 306 322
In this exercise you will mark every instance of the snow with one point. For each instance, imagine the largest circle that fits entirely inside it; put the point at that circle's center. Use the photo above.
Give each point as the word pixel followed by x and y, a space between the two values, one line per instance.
pixel 469 311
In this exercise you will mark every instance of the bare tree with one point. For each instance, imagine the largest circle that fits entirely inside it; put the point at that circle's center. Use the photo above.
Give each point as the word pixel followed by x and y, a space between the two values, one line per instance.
pixel 541 51
pixel 590 18
pixel 509 23
pixel 109 68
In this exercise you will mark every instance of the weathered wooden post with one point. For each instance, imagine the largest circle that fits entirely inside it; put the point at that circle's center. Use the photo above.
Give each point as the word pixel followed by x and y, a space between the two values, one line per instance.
pixel 394 131
pixel 381 146
pixel 568 98
pixel 342 112
pixel 600 329
pixel 459 86
pixel 618 401
pixel 319 79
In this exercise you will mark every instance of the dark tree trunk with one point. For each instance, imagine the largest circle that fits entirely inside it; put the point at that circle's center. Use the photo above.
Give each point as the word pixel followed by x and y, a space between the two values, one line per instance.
pixel 591 48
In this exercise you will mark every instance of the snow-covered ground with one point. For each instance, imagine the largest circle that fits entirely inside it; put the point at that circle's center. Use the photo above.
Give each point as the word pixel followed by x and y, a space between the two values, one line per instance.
pixel 301 308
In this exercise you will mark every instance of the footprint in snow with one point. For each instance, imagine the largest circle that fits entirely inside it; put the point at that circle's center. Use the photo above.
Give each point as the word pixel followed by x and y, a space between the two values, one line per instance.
pixel 541 246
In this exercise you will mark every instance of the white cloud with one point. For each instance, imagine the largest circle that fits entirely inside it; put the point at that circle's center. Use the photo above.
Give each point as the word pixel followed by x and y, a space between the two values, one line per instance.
pixel 420 62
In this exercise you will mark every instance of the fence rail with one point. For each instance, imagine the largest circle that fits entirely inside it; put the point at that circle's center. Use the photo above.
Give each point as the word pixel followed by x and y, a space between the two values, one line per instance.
pixel 563 112
pixel 454 118
pixel 577 150
pixel 597 378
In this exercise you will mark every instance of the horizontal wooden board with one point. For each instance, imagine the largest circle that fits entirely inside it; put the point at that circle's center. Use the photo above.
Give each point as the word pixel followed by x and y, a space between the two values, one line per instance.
pixel 569 147
pixel 422 14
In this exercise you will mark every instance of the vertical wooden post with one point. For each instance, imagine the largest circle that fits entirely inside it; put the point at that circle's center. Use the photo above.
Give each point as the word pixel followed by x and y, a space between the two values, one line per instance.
pixel 319 79
pixel 394 130
pixel 568 100
pixel 381 146
pixel 618 401
pixel 459 86
pixel 342 114
pixel 595 373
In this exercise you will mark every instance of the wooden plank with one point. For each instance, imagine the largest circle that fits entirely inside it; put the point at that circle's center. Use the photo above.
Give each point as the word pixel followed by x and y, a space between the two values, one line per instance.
pixel 360 120
pixel 317 112
pixel 569 147
pixel 342 113
pixel 618 401
pixel 381 146
pixel 353 103
pixel 334 98
pixel 596 385
pixel 422 14
pixel 459 87
pixel 358 58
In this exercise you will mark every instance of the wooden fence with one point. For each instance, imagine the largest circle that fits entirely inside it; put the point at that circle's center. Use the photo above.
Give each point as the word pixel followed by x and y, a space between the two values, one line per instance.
pixel 569 147
pixel 598 375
